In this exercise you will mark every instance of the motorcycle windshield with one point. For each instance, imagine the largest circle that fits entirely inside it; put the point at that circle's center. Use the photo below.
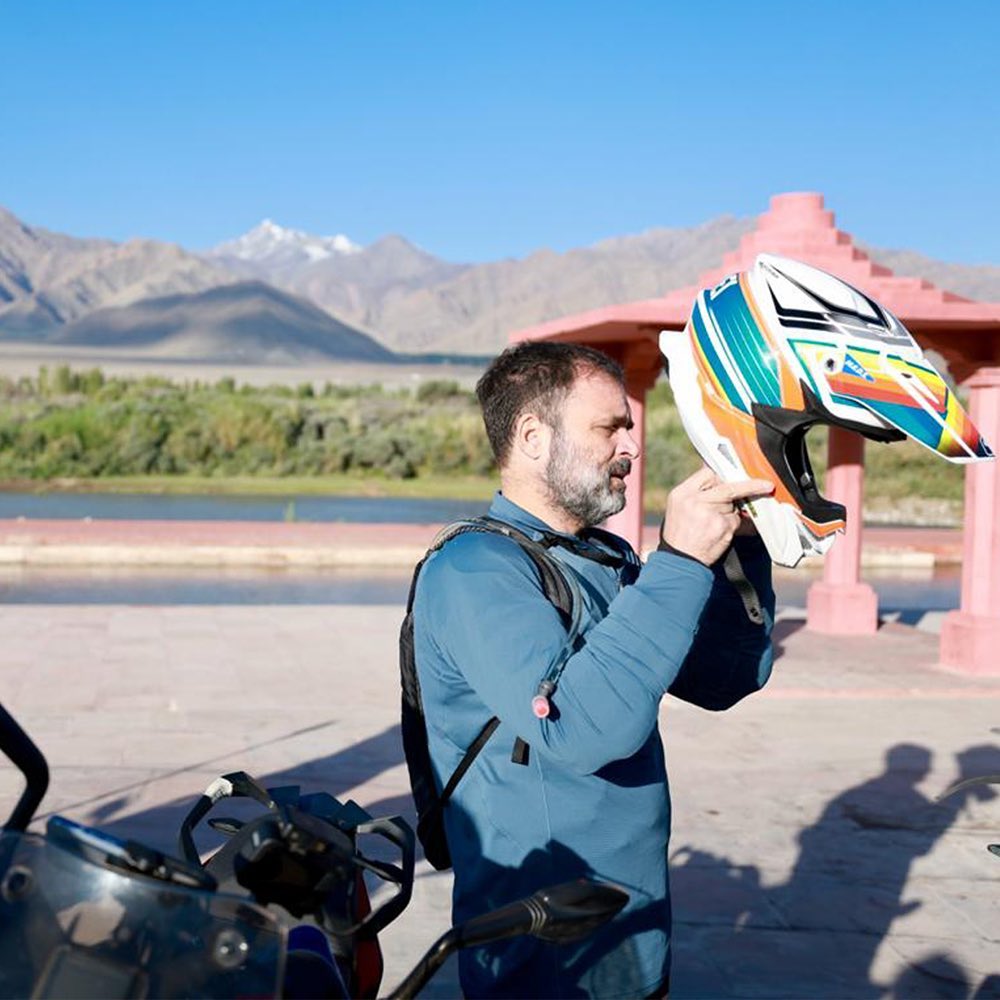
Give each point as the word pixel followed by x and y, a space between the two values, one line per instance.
pixel 71 927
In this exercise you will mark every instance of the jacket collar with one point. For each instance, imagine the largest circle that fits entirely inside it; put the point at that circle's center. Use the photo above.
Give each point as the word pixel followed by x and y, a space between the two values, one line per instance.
pixel 506 510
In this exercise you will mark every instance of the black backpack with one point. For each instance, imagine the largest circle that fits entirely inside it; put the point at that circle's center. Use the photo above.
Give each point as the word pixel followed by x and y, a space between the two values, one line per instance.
pixel 559 590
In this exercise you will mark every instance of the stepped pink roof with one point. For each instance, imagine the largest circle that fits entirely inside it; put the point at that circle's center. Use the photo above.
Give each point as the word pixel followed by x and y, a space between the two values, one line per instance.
pixel 965 332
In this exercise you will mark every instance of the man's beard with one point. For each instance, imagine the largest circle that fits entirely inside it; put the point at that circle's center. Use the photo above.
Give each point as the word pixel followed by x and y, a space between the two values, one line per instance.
pixel 579 487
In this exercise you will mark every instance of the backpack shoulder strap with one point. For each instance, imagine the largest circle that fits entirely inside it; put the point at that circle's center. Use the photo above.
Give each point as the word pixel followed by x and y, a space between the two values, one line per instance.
pixel 614 542
pixel 559 590
pixel 557 587
pixel 448 532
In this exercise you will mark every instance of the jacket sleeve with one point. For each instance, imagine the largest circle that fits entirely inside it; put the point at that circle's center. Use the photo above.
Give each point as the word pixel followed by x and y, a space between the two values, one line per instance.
pixel 731 656
pixel 480 605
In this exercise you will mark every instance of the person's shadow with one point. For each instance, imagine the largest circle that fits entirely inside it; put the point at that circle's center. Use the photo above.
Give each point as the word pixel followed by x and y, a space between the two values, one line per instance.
pixel 817 933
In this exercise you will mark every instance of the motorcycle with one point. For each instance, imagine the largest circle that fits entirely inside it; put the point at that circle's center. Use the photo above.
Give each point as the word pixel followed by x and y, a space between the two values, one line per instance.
pixel 281 909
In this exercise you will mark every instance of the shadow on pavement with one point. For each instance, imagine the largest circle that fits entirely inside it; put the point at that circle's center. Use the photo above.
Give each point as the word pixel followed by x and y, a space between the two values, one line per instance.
pixel 783 631
pixel 817 933
pixel 814 935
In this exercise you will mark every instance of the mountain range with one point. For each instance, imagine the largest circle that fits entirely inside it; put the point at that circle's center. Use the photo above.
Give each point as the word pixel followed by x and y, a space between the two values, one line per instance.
pixel 273 250
pixel 248 322
pixel 282 295
pixel 48 279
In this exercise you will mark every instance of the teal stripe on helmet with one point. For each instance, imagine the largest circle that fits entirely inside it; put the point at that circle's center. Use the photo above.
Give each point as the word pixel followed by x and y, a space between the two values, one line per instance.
pixel 917 423
pixel 711 355
pixel 746 344
pixel 794 344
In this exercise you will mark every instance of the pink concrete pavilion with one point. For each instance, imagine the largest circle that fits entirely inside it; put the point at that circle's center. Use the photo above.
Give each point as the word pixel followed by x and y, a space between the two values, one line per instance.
pixel 964 332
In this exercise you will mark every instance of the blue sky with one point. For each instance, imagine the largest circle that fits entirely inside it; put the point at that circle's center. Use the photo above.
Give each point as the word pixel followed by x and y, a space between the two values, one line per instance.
pixel 489 130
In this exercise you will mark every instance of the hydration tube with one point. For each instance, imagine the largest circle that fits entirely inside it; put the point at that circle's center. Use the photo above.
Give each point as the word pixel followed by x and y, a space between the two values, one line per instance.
pixel 541 703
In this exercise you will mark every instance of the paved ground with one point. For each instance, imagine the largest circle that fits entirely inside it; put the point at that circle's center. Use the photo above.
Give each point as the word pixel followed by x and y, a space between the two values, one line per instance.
pixel 809 857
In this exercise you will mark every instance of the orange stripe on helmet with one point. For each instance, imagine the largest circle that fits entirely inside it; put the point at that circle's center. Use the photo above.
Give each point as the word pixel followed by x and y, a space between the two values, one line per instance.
pixel 824 529
pixel 740 429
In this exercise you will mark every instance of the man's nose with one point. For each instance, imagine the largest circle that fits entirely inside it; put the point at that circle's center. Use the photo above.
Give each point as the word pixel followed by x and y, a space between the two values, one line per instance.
pixel 627 445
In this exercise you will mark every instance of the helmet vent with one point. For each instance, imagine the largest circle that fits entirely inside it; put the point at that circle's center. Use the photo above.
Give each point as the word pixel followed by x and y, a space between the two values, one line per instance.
pixel 726 452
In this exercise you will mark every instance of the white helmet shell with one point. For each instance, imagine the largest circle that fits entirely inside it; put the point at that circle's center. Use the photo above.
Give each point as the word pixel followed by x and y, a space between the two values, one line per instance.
pixel 768 353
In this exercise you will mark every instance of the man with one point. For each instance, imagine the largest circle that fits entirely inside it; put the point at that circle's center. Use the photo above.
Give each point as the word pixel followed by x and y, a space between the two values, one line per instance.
pixel 590 796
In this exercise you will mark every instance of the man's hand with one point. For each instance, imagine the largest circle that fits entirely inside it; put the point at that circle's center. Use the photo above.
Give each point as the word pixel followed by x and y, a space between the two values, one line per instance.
pixel 702 514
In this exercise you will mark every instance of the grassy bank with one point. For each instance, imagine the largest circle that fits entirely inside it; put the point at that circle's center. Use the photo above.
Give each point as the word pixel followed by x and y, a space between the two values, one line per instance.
pixel 458 487
pixel 82 431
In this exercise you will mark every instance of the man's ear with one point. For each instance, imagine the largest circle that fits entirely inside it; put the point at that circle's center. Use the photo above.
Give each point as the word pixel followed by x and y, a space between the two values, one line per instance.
pixel 532 436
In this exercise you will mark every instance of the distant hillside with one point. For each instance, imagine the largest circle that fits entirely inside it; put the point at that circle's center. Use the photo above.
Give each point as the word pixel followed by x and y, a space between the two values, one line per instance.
pixel 47 279
pixel 399 295
pixel 249 322
pixel 357 286
pixel 415 302
pixel 974 281
pixel 475 311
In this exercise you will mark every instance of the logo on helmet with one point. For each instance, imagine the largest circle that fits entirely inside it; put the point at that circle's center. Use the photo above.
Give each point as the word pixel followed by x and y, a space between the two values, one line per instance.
pixel 852 367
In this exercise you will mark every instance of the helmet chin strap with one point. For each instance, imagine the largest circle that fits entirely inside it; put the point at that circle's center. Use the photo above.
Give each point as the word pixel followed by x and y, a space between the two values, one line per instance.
pixel 733 569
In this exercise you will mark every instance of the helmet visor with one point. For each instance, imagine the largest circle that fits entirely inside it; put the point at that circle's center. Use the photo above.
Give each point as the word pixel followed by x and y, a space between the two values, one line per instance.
pixel 912 397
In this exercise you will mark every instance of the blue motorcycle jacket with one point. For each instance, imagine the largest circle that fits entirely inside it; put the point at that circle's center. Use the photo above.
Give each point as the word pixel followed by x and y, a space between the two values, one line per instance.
pixel 591 799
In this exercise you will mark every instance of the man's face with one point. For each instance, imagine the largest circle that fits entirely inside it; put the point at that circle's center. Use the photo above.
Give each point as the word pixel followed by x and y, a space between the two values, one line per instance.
pixel 592 450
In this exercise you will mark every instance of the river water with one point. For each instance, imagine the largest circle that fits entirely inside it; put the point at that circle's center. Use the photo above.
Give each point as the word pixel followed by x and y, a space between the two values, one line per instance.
pixel 908 596
pixel 145 507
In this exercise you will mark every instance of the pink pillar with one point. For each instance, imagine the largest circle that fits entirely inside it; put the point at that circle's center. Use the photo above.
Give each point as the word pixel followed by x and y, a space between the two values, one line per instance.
pixel 642 363
pixel 628 523
pixel 840 604
pixel 970 637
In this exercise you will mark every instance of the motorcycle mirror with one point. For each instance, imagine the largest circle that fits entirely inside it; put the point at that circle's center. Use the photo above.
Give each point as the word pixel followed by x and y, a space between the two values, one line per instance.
pixel 558 913
pixel 18 747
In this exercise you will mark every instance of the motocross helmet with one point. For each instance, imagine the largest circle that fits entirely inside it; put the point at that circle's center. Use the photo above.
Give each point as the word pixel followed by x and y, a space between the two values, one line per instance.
pixel 768 353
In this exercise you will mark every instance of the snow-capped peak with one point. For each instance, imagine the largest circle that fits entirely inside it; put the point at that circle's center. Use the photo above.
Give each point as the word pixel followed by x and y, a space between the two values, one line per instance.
pixel 268 240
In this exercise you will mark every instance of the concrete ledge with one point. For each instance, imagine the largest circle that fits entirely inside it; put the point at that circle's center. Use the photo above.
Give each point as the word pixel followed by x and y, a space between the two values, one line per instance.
pixel 211 543
pixel 202 555
pixel 279 544
pixel 879 557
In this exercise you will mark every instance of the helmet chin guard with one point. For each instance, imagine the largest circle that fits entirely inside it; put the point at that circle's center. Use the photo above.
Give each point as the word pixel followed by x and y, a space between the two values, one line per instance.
pixel 769 353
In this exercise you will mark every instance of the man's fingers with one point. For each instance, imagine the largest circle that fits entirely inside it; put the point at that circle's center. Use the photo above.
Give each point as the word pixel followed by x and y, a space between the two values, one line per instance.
pixel 700 480
pixel 744 489
pixel 706 481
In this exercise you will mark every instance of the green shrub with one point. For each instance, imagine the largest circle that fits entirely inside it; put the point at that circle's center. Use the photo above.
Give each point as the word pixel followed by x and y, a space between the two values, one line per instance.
pixel 439 390
pixel 63 424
